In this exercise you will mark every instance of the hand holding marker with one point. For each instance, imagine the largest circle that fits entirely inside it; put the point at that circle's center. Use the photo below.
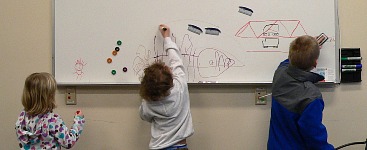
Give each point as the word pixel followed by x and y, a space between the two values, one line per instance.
pixel 79 113
pixel 165 30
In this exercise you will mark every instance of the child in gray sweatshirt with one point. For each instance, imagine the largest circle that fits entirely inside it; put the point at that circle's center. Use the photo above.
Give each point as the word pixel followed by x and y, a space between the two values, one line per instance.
pixel 166 102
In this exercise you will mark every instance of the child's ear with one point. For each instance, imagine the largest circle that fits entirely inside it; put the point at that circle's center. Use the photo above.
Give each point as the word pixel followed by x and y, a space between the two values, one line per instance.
pixel 315 63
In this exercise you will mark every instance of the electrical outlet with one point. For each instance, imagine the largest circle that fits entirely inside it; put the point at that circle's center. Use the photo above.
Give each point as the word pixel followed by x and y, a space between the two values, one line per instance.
pixel 70 96
pixel 260 96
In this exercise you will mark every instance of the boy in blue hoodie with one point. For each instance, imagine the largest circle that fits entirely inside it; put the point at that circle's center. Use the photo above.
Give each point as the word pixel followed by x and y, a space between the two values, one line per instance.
pixel 297 104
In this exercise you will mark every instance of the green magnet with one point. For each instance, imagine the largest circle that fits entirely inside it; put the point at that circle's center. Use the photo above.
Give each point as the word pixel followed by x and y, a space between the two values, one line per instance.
pixel 119 42
pixel 113 72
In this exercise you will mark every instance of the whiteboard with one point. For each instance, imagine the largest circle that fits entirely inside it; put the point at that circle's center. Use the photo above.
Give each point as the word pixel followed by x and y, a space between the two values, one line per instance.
pixel 232 41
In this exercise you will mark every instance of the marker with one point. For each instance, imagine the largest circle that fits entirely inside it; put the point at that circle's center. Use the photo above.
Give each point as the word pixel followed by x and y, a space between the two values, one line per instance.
pixel 351 58
pixel 358 66
pixel 351 70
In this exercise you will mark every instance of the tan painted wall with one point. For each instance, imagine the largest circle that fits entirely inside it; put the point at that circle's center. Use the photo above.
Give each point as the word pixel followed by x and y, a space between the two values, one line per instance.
pixel 225 117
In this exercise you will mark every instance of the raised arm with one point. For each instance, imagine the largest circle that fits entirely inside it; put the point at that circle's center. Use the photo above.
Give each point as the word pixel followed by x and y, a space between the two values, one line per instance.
pixel 175 61
pixel 65 137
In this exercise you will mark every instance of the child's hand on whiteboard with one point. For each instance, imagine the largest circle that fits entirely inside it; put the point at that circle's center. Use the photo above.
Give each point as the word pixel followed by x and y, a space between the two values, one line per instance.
pixel 321 39
pixel 320 46
pixel 165 30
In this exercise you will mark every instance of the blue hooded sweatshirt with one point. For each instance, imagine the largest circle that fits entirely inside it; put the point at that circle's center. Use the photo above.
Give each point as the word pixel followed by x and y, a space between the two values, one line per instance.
pixel 296 111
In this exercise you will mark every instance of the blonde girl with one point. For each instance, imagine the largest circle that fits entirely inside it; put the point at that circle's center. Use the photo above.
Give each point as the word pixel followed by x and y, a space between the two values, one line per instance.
pixel 38 127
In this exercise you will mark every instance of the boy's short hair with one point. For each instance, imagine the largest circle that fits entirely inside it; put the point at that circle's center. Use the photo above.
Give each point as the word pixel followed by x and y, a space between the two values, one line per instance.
pixel 304 52
pixel 39 93
pixel 156 82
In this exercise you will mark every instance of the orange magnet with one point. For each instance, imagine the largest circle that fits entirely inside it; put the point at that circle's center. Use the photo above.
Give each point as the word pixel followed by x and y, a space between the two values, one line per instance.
pixel 114 53
pixel 109 60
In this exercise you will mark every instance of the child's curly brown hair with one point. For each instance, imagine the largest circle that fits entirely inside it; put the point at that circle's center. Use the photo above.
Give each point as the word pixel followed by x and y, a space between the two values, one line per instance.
pixel 156 82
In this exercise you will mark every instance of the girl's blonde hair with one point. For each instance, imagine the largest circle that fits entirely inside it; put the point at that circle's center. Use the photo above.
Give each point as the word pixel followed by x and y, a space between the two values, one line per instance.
pixel 39 93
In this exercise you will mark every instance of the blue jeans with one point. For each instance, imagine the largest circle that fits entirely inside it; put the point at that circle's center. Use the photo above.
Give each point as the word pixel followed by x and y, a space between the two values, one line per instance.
pixel 177 147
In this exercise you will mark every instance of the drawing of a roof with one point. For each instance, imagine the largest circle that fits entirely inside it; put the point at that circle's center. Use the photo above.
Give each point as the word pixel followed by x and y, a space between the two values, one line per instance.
pixel 278 28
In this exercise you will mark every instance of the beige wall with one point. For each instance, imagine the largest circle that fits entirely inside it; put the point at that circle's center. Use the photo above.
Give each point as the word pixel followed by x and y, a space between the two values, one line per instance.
pixel 225 117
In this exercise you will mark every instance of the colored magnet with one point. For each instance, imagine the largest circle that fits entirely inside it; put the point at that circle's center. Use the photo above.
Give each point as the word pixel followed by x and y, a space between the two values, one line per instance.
pixel 113 72
pixel 109 60
pixel 124 69
pixel 114 53
pixel 119 42
pixel 117 48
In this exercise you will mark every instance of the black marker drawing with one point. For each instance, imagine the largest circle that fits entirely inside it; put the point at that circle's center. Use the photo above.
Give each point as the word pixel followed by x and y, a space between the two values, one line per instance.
pixel 215 65
pixel 206 62
pixel 271 35
pixel 141 60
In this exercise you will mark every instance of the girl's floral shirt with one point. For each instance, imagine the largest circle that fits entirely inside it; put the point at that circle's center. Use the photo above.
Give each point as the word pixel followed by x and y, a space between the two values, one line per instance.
pixel 47 131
